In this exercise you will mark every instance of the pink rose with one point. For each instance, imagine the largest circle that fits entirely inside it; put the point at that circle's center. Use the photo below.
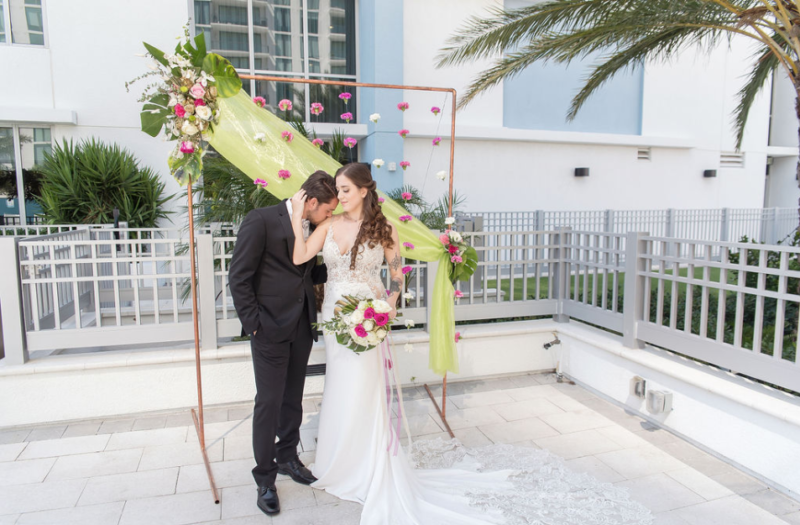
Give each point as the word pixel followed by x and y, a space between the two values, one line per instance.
pixel 318 142
pixel 408 245
pixel 360 331
pixel 179 111
pixel 260 101
pixel 406 269
pixel 381 319
pixel 436 141
pixel 459 294
pixel 369 313
pixel 287 136
pixel 403 133
pixel 197 91
pixel 284 174
pixel 435 110
pixel 444 238
pixel 458 336
pixel 406 196
pixel 316 108
pixel 285 105
pixel 187 147
pixel 199 102
pixel 402 106
pixel 347 117
pixel 451 249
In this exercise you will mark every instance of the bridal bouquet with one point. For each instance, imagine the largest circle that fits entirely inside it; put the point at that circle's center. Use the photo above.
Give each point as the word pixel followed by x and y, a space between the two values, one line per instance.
pixel 359 324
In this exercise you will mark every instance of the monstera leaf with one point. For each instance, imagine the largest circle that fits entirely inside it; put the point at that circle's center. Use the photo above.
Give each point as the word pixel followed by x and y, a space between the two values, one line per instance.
pixel 225 78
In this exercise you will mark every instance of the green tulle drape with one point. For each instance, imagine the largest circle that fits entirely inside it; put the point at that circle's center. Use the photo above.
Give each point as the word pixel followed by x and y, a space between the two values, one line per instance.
pixel 234 138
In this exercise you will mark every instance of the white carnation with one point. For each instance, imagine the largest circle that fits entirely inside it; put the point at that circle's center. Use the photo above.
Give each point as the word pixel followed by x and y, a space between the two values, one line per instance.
pixel 368 325
pixel 203 112
pixel 441 175
pixel 455 236
pixel 410 323
pixel 357 316
pixel 375 117
pixel 450 220
pixel 408 296
pixel 382 307
pixel 377 163
pixel 173 100
pixel 260 137
pixel 408 347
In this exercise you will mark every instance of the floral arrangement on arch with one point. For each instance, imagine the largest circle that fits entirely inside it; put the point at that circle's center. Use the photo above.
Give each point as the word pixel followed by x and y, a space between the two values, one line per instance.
pixel 184 101
pixel 463 257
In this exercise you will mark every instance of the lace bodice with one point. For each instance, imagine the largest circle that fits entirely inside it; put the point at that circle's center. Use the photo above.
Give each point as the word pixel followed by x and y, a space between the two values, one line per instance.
pixel 364 279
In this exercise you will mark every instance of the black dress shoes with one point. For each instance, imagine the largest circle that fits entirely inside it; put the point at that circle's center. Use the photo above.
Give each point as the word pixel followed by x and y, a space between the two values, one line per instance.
pixel 297 471
pixel 268 500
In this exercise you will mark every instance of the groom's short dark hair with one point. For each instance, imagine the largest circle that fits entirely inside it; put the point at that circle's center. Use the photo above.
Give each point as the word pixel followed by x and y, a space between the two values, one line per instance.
pixel 320 186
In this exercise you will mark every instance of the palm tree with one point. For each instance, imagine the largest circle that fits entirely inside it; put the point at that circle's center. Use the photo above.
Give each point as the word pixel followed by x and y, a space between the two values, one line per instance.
pixel 629 33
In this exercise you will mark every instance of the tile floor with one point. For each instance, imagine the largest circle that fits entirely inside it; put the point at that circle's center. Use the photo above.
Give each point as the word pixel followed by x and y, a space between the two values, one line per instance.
pixel 148 470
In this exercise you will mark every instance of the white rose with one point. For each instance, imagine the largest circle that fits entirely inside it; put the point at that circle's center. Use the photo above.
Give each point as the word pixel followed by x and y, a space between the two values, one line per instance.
pixel 356 317
pixel 362 305
pixel 377 163
pixel 203 112
pixel 441 175
pixel 372 339
pixel 368 325
pixel 188 128
pixel 382 307
pixel 410 323
pixel 381 333
pixel 375 117
pixel 450 220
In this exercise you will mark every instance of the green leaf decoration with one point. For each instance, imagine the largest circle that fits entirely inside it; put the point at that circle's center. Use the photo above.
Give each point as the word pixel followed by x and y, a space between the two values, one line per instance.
pixel 465 270
pixel 198 51
pixel 154 114
pixel 226 79
pixel 157 54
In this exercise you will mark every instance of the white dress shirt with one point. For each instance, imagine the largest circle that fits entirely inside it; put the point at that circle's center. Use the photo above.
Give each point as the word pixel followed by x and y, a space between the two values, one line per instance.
pixel 306 222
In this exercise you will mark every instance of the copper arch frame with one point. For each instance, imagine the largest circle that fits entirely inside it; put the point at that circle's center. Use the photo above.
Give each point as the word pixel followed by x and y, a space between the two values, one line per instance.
pixel 197 416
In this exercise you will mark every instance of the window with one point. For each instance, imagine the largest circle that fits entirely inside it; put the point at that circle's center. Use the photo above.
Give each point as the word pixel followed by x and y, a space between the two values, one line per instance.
pixel 301 38
pixel 22 151
pixel 22 21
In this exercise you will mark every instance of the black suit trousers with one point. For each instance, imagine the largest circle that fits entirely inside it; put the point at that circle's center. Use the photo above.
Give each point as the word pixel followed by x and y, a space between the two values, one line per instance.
pixel 280 372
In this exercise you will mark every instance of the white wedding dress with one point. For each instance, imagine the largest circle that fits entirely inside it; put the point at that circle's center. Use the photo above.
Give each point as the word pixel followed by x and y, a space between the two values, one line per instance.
pixel 437 482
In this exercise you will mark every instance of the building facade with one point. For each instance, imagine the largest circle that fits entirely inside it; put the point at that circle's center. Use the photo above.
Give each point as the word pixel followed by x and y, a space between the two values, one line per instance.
pixel 647 138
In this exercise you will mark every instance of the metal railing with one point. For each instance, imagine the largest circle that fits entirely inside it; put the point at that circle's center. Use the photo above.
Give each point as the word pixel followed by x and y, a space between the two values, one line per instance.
pixel 734 305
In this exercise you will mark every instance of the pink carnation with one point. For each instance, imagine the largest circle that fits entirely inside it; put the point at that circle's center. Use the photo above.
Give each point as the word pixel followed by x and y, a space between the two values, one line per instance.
pixel 456 259
pixel 408 245
pixel 318 142
pixel 402 106
pixel 436 141
pixel 260 182
pixel 360 331
pixel 316 108
pixel 345 96
pixel 285 105
pixel 435 110
pixel 347 117
pixel 458 336
pixel 284 174
pixel 199 102
pixel 287 136
pixel 350 142
pixel 403 133
pixel 187 147
pixel 404 164
pixel 444 238
pixel 381 200
pixel 459 294
pixel 406 269
pixel 451 249
pixel 369 313
pixel 405 218
pixel 260 101
pixel 179 111
pixel 406 196
pixel 381 319
pixel 197 91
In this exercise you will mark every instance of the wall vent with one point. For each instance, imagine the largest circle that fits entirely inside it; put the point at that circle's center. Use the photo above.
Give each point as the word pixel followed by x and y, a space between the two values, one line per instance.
pixel 643 154
pixel 731 159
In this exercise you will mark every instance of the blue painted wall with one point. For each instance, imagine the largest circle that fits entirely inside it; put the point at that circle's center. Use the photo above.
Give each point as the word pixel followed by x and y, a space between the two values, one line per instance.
pixel 380 49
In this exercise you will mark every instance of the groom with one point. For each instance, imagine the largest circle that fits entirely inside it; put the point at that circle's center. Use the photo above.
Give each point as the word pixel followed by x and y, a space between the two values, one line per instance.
pixel 276 305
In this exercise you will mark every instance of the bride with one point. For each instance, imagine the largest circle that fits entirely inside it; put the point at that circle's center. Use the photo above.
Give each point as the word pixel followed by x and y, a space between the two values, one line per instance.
pixel 439 482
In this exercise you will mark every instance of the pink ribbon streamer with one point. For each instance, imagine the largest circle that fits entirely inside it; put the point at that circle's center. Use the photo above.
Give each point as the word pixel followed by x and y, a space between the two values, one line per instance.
pixel 394 431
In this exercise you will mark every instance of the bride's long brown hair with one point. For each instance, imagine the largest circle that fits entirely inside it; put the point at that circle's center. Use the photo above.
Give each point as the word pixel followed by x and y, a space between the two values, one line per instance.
pixel 375 229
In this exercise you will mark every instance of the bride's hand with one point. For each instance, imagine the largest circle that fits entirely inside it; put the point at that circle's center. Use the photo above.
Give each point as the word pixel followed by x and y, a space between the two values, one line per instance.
pixel 393 313
pixel 298 204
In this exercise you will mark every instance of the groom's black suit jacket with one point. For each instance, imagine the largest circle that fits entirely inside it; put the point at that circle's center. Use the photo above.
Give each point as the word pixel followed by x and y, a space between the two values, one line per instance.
pixel 268 289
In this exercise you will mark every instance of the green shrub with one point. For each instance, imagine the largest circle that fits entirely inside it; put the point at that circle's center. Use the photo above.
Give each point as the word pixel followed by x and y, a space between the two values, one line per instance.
pixel 82 184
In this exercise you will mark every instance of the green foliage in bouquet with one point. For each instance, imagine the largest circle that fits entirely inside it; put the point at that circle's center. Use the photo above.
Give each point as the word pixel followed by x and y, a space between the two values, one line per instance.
pixel 343 324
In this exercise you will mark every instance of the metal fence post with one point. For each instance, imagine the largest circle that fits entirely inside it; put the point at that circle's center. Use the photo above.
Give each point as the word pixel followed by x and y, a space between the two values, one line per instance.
pixel 725 225
pixel 539 221
pixel 207 292
pixel 430 279
pixel 633 301
pixel 559 268
pixel 608 227
pixel 775 226
pixel 14 344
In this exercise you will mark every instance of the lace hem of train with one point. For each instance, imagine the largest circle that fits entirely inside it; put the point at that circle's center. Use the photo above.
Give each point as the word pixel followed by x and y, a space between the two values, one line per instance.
pixel 545 491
